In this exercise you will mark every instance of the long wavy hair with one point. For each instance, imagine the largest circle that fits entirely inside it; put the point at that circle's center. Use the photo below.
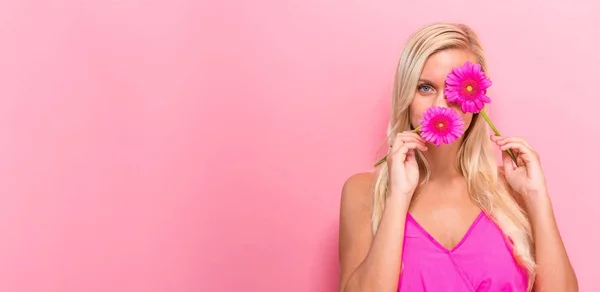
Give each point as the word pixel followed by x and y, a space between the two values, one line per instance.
pixel 477 160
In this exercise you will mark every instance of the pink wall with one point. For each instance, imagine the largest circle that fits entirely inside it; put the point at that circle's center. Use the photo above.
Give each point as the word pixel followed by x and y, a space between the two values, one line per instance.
pixel 128 126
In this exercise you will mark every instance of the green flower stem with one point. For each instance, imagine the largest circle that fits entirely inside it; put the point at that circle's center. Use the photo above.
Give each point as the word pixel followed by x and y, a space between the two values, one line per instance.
pixel 385 157
pixel 487 119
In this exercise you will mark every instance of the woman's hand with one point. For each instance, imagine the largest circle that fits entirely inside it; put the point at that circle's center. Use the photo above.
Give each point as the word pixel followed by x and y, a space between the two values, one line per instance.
pixel 527 176
pixel 554 271
pixel 402 164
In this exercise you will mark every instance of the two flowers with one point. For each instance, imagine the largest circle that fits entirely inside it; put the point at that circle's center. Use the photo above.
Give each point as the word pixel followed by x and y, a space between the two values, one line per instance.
pixel 466 86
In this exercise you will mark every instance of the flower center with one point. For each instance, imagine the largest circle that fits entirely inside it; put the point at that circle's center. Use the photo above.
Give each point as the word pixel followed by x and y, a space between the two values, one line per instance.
pixel 441 125
pixel 469 89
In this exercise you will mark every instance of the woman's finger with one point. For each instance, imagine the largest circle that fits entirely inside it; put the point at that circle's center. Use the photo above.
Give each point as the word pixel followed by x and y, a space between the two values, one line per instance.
pixel 525 153
pixel 397 143
pixel 410 156
pixel 520 161
pixel 402 139
pixel 411 136
pixel 505 140
pixel 507 162
pixel 402 151
pixel 411 145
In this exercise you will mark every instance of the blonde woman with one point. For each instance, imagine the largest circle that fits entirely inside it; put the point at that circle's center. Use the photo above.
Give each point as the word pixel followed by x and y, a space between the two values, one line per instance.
pixel 447 218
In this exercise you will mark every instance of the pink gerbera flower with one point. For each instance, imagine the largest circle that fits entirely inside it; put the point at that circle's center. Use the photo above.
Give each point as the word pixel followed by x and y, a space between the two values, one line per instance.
pixel 441 125
pixel 467 86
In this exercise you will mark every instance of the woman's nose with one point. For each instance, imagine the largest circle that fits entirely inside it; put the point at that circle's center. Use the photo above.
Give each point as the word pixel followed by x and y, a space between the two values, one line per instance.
pixel 441 101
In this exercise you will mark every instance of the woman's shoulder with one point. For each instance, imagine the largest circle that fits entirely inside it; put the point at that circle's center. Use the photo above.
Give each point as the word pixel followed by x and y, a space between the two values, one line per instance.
pixel 359 184
pixel 357 191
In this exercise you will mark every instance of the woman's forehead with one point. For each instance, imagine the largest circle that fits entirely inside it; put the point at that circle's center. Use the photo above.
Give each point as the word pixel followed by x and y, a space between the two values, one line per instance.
pixel 440 64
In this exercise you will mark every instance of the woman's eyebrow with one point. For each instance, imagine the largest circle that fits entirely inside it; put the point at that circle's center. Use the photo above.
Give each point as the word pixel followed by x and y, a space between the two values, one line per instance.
pixel 422 80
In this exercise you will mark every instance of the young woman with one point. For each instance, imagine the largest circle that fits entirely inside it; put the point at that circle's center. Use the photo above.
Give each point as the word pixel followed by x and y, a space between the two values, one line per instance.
pixel 447 218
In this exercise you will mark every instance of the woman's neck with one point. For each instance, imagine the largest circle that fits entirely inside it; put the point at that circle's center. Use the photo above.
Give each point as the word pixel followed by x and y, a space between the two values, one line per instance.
pixel 443 161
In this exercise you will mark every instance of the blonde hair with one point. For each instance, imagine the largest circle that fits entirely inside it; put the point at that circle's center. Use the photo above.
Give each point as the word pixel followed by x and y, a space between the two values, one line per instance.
pixel 477 160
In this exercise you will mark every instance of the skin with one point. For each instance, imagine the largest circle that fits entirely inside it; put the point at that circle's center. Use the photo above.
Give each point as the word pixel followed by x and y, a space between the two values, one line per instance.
pixel 442 206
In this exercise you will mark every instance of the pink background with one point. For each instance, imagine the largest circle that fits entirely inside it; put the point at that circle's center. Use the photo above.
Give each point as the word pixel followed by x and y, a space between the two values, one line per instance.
pixel 183 146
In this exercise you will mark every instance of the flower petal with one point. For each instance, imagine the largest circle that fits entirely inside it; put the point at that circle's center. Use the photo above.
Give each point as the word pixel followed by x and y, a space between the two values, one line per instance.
pixel 459 71
pixel 478 104
pixel 464 107
pixel 485 99
pixel 485 83
pixel 433 133
pixel 453 81
pixel 469 74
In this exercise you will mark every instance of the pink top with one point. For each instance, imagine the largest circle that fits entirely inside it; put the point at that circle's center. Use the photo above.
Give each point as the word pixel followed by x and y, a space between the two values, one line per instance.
pixel 481 261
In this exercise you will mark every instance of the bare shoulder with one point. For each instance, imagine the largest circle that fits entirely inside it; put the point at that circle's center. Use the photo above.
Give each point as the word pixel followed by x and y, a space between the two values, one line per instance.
pixel 357 192
pixel 356 207
pixel 355 223
pixel 360 182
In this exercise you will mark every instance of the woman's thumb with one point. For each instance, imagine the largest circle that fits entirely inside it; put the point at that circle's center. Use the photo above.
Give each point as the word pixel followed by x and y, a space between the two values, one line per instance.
pixel 507 163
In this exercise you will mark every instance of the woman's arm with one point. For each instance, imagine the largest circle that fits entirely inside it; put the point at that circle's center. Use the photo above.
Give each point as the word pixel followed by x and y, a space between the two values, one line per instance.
pixel 554 272
pixel 369 263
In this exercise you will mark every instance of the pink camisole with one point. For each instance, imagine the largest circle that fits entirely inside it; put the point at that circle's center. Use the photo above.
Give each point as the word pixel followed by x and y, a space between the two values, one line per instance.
pixel 481 261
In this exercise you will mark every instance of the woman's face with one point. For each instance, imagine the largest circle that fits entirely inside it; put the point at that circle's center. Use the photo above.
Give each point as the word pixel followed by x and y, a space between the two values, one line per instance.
pixel 430 88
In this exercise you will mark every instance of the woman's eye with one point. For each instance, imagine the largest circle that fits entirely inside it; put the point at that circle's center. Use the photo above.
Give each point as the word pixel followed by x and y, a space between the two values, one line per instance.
pixel 425 88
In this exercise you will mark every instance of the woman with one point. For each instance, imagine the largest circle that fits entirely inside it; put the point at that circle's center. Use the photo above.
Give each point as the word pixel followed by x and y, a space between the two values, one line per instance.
pixel 447 218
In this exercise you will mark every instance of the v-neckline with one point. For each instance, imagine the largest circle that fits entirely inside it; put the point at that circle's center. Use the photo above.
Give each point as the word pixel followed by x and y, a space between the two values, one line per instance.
pixel 436 242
